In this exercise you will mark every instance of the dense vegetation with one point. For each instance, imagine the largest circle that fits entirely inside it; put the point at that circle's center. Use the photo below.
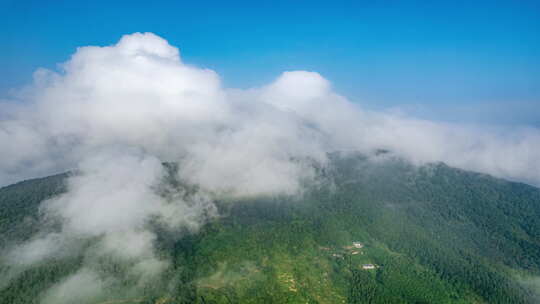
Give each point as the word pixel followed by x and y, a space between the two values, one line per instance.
pixel 434 234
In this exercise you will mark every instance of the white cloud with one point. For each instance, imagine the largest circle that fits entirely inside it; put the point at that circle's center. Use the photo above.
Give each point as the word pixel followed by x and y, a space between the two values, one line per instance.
pixel 139 94
pixel 84 286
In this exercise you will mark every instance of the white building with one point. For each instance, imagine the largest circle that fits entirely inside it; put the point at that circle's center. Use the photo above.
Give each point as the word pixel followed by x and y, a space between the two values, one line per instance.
pixel 368 266
pixel 358 245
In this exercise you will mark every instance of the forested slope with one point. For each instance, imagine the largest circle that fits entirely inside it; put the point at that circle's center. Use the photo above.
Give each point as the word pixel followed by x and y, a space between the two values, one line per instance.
pixel 433 234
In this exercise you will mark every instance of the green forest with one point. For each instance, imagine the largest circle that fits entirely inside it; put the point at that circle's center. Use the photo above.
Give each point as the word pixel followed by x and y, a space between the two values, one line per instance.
pixel 368 231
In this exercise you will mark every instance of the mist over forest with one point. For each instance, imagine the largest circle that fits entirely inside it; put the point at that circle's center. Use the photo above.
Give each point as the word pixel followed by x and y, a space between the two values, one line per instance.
pixel 157 184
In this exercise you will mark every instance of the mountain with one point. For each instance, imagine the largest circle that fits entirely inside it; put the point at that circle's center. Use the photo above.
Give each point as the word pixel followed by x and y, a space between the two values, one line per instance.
pixel 370 230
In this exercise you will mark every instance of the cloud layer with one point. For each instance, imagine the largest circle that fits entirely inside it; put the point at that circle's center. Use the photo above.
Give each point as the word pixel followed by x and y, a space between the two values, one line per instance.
pixel 139 94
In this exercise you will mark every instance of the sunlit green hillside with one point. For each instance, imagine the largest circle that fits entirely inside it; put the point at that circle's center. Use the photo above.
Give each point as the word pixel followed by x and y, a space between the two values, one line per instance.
pixel 369 231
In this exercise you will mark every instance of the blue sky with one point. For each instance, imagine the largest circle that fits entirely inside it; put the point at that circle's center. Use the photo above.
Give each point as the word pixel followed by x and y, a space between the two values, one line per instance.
pixel 467 61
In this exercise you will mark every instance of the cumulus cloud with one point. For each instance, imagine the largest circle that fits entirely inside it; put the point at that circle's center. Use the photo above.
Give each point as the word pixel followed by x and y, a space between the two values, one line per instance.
pixel 138 93
pixel 114 114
